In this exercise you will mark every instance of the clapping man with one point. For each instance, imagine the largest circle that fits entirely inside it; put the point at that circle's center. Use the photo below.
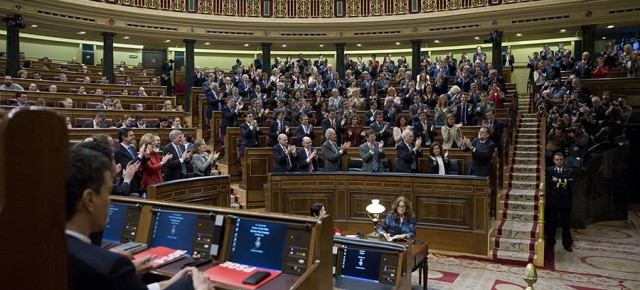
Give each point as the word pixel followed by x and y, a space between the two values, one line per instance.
pixel 482 149
pixel 307 156
pixel 284 155
pixel 408 153
pixel 371 153
pixel 333 153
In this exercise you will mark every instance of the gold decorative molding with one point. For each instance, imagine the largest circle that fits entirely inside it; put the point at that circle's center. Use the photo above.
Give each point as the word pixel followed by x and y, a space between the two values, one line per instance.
pixel 400 6
pixel 205 6
pixel 280 8
pixel 454 4
pixel 253 8
pixel 376 7
pixel 229 7
pixel 326 8
pixel 127 2
pixel 303 8
pixel 177 5
pixel 354 8
pixel 479 3
pixel 428 5
pixel 153 4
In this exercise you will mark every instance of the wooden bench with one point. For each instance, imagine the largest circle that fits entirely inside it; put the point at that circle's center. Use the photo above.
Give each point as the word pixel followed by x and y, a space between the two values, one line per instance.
pixel 208 190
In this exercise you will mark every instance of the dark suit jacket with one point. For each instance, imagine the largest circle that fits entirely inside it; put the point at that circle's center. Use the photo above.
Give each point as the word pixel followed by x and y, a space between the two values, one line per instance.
pixel 123 157
pixel 249 137
pixel 435 166
pixel 496 133
pixel 331 157
pixel 275 130
pixel 377 129
pixel 559 193
pixel 89 124
pixel 213 100
pixel 303 165
pixel 481 165
pixel 301 134
pixel 469 111
pixel 173 169
pixel 326 124
pixel 420 131
pixel 282 159
pixel 406 157
pixel 229 118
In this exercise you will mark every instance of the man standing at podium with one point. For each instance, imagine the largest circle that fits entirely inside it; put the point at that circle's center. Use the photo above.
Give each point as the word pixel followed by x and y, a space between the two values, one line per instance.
pixel 559 181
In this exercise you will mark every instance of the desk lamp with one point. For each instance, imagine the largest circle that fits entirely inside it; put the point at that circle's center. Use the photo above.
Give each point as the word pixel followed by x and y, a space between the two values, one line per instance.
pixel 373 211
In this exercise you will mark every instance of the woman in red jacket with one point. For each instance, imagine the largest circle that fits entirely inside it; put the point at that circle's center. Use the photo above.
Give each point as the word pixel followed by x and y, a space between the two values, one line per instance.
pixel 496 96
pixel 151 171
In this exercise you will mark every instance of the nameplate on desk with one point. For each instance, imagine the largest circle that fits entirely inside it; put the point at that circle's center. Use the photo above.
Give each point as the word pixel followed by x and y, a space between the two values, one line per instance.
pixel 234 273
pixel 163 255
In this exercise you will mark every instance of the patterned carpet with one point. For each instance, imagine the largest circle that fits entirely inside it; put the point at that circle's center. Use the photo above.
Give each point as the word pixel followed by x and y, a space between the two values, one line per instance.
pixel 606 256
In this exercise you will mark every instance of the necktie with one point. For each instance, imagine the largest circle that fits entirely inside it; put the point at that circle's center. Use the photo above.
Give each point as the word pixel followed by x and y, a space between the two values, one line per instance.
pixel 310 161
pixel 375 159
pixel 133 153
pixel 335 145
pixel 490 123
pixel 464 114
pixel 288 158
pixel 281 126
pixel 306 129
pixel 184 167
pixel 333 123
pixel 414 165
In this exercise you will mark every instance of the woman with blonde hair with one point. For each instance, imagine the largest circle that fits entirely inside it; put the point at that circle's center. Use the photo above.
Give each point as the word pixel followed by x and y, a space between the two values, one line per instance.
pixel 117 104
pixel 441 110
pixel 400 222
pixel 451 132
pixel 167 106
pixel 151 171
pixel 203 162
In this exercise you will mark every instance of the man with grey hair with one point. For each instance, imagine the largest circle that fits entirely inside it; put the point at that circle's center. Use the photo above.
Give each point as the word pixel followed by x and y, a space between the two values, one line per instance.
pixel 176 167
pixel 284 155
pixel 408 153
pixel 307 156
pixel 333 153
pixel 97 122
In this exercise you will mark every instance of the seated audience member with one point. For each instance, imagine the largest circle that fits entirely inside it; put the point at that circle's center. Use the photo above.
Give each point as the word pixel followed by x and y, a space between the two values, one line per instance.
pixel 141 92
pixel 33 87
pixel 139 122
pixel 125 122
pixel 400 222
pixel 176 167
pixel 63 77
pixel 438 161
pixel 408 153
pixel 371 153
pixel 21 99
pixel 151 171
pixel 40 102
pixel 106 103
pixel 9 85
pixel 284 155
pixel 202 161
pixel 163 122
pixel 23 74
pixel 52 89
pixel 482 149
pixel 320 211
pixel 67 103
pixel 451 133
pixel 333 153
pixel 81 91
pixel 97 122
pixel 67 122
pixel 307 156
pixel 177 123
pixel 600 70
pixel 91 267
pixel 168 106
pixel 117 104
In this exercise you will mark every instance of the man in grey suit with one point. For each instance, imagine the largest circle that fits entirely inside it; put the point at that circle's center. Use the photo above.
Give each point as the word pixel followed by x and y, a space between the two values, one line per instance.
pixel 333 153
pixel 371 153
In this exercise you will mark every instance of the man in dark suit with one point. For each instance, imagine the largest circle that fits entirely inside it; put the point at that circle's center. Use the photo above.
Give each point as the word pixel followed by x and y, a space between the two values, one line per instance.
pixel 284 155
pixel 279 126
pixel 257 63
pixel 333 122
pixel 465 111
pixel 482 149
pixel 214 101
pixel 371 153
pixel 176 168
pixel 229 115
pixel 408 153
pixel 380 127
pixel 90 267
pixel 307 156
pixel 424 129
pixel 369 114
pixel 250 132
pixel 97 122
pixel 333 153
pixel 559 181
pixel 305 130
pixel 497 127
pixel 125 154
pixel 197 79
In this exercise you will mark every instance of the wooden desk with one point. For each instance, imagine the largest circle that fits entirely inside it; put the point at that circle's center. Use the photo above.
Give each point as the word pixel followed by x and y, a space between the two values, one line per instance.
pixel 106 89
pixel 80 134
pixel 207 190
pixel 80 101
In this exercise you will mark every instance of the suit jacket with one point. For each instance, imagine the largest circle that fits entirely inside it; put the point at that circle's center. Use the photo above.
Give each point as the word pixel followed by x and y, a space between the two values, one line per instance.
pixel 214 100
pixel 481 165
pixel 303 165
pixel 381 135
pixel 368 117
pixel 468 112
pixel 93 268
pixel 284 161
pixel 368 158
pixel 331 157
pixel 249 136
pixel 89 124
pixel 558 193
pixel 326 124
pixel 275 130
pixel 406 158
pixel 496 133
pixel 122 156
pixel 434 165
pixel 229 118
pixel 173 168
pixel 301 134
pixel 420 131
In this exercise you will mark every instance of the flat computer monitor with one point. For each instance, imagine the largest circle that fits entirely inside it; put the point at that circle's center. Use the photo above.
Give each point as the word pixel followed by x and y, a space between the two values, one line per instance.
pixel 187 231
pixel 361 264
pixel 122 223
pixel 258 243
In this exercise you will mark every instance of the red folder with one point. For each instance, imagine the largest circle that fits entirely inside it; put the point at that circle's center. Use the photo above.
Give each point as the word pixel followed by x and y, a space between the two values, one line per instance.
pixel 233 274
pixel 163 255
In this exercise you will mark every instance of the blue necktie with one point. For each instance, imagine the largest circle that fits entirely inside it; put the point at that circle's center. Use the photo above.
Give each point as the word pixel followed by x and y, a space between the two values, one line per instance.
pixel 375 160
pixel 133 153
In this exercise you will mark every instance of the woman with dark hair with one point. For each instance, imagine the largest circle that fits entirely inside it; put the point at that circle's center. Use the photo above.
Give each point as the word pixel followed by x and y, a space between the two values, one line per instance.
pixel 438 162
pixel 402 123
pixel 400 222
pixel 354 131
pixel 320 211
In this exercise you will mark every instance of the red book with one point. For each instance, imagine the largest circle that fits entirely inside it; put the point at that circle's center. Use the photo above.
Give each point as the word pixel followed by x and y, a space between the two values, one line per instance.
pixel 163 255
pixel 233 274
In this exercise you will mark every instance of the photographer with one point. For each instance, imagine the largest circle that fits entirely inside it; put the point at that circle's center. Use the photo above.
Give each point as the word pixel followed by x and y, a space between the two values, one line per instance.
pixel 165 78
pixel 556 140
pixel 578 141
pixel 588 121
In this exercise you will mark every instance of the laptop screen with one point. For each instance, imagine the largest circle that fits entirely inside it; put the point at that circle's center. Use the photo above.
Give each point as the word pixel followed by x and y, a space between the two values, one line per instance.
pixel 361 264
pixel 258 243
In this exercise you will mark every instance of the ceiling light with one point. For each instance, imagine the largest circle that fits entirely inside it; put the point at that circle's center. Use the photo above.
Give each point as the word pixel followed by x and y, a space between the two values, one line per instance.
pixel 321 45
pixel 518 34
pixel 359 44
pixel 563 30
pixel 207 43
pixel 284 45
pixel 34 25
pixel 82 32
pixel 126 37
pixel 477 38
pixel 397 43
pixel 436 41
pixel 604 37
pixel 168 40
pixel 246 44
pixel 611 26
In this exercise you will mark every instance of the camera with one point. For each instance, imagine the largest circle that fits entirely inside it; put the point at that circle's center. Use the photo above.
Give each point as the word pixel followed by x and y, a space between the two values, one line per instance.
pixel 171 61
pixel 616 104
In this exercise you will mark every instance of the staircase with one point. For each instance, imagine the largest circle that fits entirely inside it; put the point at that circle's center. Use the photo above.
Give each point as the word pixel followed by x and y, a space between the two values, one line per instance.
pixel 517 235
